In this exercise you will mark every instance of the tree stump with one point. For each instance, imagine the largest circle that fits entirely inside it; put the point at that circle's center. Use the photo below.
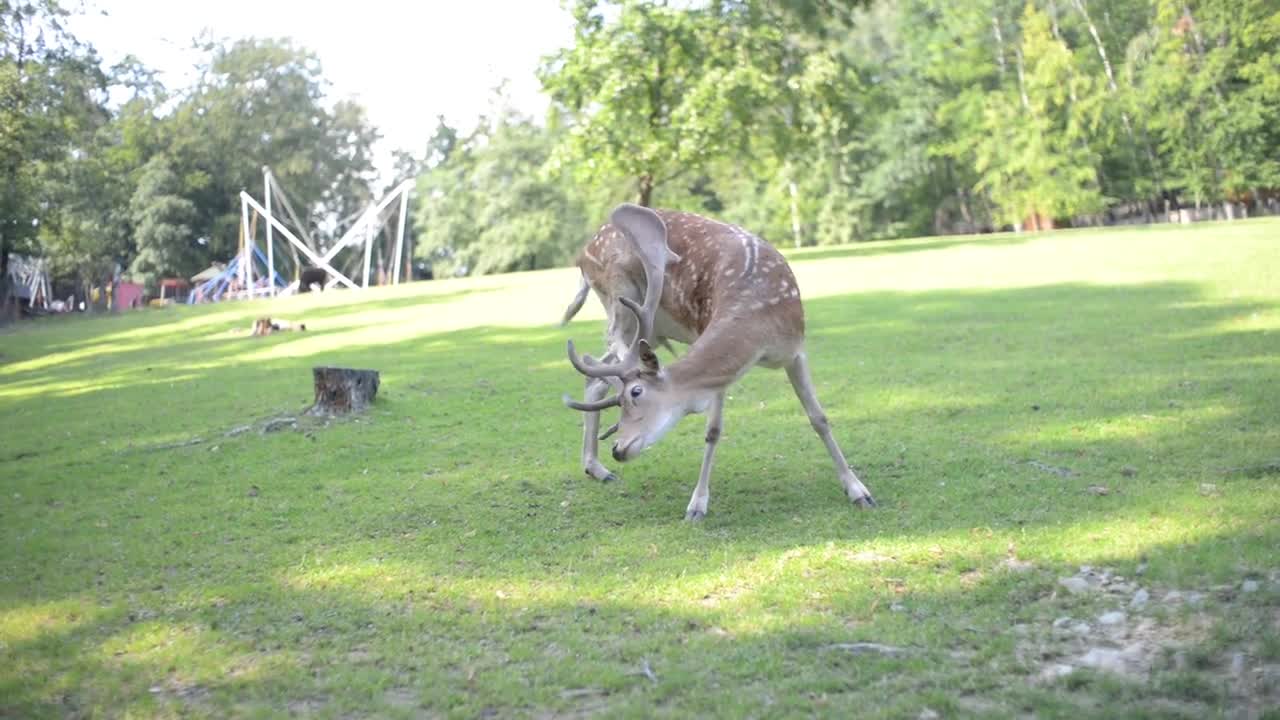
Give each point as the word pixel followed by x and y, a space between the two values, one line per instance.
pixel 343 390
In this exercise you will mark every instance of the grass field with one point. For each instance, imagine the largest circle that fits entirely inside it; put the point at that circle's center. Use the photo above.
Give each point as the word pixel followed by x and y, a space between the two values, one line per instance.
pixel 1020 406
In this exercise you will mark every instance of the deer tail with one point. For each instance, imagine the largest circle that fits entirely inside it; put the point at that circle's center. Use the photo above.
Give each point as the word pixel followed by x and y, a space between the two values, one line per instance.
pixel 576 304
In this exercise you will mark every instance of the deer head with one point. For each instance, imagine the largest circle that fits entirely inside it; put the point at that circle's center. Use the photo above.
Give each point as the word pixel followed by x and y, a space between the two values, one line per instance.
pixel 650 405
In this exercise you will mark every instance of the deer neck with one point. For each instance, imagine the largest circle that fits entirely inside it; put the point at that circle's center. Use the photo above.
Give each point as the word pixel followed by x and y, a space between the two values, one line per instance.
pixel 719 356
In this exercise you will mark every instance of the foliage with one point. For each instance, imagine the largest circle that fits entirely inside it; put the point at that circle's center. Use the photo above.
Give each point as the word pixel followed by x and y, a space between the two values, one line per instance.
pixel 261 102
pixel 1205 77
pixel 77 170
pixel 1034 158
pixel 50 103
pixel 809 121
pixel 164 220
pixel 486 205
pixel 658 93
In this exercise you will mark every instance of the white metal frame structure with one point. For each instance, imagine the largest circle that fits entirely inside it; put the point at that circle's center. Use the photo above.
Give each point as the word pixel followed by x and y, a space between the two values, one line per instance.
pixel 365 229
pixel 31 274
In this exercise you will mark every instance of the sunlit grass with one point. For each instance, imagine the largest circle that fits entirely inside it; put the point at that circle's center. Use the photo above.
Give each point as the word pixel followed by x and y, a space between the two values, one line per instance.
pixel 444 555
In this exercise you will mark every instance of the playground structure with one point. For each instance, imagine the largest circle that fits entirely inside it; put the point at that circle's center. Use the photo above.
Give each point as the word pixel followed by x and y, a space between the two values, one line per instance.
pixel 29 281
pixel 253 273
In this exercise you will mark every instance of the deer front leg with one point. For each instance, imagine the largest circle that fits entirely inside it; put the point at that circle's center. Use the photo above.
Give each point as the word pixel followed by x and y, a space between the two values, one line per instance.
pixel 698 503
pixel 798 374
pixel 596 390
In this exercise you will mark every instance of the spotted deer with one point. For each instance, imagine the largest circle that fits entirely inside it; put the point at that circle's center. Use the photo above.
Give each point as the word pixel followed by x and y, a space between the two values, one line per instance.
pixel 662 276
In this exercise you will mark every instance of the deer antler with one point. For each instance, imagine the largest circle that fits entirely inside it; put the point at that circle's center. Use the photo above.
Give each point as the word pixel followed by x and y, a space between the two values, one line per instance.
pixel 648 235
pixel 611 401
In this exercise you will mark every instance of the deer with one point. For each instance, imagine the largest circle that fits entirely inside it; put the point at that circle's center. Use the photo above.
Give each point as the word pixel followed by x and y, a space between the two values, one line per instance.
pixel 665 276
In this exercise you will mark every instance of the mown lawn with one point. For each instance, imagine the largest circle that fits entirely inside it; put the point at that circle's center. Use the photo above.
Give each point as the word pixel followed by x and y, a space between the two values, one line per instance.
pixel 1020 406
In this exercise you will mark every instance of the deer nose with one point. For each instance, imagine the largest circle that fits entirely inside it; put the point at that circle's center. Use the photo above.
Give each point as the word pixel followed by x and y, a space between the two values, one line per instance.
pixel 619 454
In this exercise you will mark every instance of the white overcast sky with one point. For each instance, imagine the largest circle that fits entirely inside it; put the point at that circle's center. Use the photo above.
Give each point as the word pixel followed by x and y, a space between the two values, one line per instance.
pixel 405 61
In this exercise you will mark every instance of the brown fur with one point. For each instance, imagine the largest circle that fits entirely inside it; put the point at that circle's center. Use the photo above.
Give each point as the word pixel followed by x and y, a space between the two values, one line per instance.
pixel 725 276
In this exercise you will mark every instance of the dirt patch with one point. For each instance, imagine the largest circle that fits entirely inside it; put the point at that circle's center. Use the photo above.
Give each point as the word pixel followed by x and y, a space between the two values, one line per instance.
pixel 1158 635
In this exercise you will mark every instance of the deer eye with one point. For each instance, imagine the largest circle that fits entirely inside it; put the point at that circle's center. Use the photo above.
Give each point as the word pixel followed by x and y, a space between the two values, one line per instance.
pixel 637 391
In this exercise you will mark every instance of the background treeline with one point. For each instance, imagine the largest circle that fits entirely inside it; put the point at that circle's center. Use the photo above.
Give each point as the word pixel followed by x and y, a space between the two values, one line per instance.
pixel 809 121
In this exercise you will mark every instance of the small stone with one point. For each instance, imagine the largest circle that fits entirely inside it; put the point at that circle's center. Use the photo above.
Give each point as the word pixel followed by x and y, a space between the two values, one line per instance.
pixel 1250 586
pixel 1237 664
pixel 1128 471
pixel 278 424
pixel 1208 489
pixel 1195 598
pixel 928 714
pixel 1074 585
pixel 1141 569
pixel 1056 670
pixel 867 648
pixel 1120 588
pixel 1062 622
pixel 1173 596
pixel 1086 569
pixel 1140 599
pixel 253 491
pixel 898 608
pixel 1081 628
pixel 1115 617
pixel 1098 490
pixel 1104 659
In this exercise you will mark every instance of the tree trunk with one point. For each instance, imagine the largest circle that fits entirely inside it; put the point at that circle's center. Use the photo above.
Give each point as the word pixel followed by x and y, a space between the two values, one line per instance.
pixel 343 390
pixel 1022 82
pixel 645 195
pixel 795 212
pixel 408 256
pixel 995 27
pixel 4 274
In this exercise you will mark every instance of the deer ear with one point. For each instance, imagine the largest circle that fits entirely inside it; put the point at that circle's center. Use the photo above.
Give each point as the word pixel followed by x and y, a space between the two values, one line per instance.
pixel 648 358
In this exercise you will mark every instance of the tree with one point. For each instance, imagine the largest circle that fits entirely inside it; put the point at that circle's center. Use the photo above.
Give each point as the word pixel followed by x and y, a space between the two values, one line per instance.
pixel 490 204
pixel 1204 75
pixel 1034 158
pixel 165 222
pixel 50 101
pixel 88 227
pixel 657 93
pixel 261 102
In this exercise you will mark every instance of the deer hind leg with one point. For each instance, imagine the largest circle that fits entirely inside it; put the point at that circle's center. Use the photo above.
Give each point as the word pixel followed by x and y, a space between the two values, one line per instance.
pixel 596 390
pixel 702 493
pixel 798 374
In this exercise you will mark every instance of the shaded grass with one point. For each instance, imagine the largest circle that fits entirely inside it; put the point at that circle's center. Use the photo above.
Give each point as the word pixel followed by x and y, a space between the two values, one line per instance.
pixel 444 554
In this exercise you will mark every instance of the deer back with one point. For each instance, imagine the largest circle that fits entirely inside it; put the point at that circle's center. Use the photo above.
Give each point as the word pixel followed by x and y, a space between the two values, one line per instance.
pixel 724 274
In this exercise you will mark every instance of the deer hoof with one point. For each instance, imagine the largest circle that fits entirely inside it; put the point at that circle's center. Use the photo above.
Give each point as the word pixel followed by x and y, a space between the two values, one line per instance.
pixel 866 501
pixel 599 472
pixel 694 515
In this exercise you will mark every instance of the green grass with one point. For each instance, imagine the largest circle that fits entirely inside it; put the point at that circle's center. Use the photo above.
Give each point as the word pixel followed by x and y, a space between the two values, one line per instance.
pixel 444 554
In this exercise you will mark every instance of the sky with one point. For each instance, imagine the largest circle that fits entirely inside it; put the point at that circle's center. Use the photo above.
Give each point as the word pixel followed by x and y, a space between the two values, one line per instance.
pixel 406 62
